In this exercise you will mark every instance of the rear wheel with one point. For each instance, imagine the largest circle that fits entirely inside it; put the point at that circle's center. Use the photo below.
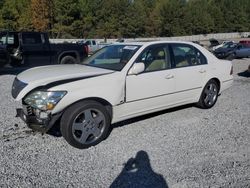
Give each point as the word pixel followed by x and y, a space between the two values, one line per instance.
pixel 85 124
pixel 209 95
pixel 68 60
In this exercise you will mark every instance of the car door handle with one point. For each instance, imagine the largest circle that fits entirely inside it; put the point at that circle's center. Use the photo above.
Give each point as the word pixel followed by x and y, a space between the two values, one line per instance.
pixel 169 76
pixel 202 71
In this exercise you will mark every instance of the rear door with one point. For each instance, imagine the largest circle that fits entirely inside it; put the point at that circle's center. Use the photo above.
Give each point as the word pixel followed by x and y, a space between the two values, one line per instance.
pixel 35 49
pixel 189 69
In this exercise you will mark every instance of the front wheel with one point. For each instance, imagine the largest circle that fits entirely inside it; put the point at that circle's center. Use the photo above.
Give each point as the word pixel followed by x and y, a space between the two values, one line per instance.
pixel 85 124
pixel 209 95
pixel 231 57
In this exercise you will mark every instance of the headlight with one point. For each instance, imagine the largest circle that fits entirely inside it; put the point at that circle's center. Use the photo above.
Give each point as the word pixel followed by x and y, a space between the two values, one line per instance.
pixel 44 100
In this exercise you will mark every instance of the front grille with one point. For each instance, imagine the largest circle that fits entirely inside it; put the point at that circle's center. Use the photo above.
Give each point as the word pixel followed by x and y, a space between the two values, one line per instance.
pixel 29 110
pixel 17 87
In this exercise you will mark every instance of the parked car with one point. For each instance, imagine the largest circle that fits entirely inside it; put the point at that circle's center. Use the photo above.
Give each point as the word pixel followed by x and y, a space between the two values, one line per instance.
pixel 242 51
pixel 232 51
pixel 226 51
pixel 222 44
pixel 119 82
pixel 34 48
pixel 245 43
pixel 93 45
pixel 197 42
pixel 4 58
pixel 213 42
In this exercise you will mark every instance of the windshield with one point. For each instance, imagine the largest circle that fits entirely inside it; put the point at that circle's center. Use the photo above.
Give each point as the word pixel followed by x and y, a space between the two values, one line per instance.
pixel 113 57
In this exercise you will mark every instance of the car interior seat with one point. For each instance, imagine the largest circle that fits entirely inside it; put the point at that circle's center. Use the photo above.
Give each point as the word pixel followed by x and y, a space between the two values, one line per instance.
pixel 181 61
pixel 158 63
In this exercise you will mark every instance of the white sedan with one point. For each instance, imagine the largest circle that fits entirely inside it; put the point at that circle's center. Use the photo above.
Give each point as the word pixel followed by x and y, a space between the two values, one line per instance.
pixel 119 82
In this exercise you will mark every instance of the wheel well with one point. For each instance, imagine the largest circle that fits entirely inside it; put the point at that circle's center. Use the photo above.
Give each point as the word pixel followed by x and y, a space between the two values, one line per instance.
pixel 105 103
pixel 217 81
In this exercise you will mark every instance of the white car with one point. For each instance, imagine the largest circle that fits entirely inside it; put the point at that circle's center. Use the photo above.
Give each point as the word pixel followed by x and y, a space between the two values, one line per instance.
pixel 119 82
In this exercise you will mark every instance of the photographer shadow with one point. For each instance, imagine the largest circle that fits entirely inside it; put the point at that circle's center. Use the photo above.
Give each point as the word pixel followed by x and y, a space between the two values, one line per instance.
pixel 137 172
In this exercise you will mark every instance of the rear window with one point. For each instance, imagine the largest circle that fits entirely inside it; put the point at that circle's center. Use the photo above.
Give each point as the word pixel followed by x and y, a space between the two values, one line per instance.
pixel 31 38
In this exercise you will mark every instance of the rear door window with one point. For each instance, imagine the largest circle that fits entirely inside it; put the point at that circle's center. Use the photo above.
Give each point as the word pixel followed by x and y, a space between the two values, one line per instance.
pixel 185 55
pixel 31 38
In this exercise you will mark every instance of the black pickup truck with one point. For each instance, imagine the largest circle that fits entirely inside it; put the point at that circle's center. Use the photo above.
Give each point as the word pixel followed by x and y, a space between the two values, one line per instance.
pixel 34 49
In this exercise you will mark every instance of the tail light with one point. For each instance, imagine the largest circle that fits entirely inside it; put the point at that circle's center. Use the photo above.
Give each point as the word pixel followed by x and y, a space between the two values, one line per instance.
pixel 87 49
pixel 232 70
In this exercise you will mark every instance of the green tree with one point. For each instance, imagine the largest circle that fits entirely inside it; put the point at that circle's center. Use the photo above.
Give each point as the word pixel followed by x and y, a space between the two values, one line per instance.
pixel 89 17
pixel 125 18
pixel 170 20
pixel 214 9
pixel 112 18
pixel 198 19
pixel 66 13
pixel 15 15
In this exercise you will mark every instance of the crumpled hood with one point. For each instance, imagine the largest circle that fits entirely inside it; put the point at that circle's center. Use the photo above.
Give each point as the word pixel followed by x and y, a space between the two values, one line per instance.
pixel 53 73
pixel 42 76
pixel 223 50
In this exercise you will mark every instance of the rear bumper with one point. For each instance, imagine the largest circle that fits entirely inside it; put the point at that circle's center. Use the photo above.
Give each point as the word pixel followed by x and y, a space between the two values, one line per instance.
pixel 33 122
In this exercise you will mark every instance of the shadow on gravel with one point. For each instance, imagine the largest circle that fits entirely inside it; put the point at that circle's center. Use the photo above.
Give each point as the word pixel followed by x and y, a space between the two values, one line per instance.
pixel 55 130
pixel 137 172
pixel 244 74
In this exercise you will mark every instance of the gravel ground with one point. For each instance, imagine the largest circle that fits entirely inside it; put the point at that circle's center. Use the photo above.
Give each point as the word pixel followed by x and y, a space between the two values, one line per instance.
pixel 181 147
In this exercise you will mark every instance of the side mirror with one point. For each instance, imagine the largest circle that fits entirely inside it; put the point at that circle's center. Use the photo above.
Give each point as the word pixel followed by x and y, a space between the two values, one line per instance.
pixel 137 68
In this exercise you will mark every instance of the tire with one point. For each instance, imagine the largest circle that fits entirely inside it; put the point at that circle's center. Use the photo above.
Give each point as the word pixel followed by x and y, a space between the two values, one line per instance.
pixel 85 124
pixel 68 60
pixel 209 95
pixel 231 56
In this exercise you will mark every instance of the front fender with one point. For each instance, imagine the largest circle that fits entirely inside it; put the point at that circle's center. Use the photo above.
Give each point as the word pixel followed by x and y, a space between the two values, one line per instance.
pixel 109 88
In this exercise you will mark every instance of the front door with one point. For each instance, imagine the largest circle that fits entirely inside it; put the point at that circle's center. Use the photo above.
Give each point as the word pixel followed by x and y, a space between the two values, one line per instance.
pixel 151 90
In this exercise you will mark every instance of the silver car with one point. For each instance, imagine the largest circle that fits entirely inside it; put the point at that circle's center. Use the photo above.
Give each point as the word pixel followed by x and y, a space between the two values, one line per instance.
pixel 242 51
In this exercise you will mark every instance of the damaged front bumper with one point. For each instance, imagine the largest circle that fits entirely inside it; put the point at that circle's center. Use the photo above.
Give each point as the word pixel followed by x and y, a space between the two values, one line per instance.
pixel 36 123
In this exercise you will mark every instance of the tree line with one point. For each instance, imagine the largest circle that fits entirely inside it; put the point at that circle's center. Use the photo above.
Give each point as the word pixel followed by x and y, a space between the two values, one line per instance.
pixel 125 18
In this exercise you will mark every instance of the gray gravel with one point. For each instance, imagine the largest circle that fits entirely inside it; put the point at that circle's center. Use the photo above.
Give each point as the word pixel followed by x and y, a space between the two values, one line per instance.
pixel 183 147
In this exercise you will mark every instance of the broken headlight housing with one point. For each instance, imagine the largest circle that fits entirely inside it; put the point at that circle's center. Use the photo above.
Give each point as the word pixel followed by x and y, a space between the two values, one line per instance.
pixel 44 100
